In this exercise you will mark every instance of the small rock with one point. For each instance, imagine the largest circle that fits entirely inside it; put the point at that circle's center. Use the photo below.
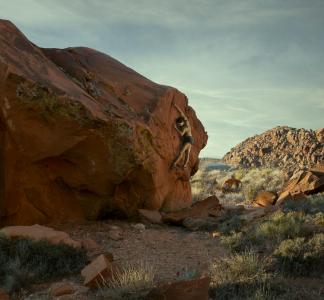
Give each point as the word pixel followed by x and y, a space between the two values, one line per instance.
pixel 92 247
pixel 152 216
pixel 265 198
pixel 4 295
pixel 62 288
pixel 253 214
pixel 115 234
pixel 194 289
pixel 216 234
pixel 38 232
pixel 139 226
pixel 98 272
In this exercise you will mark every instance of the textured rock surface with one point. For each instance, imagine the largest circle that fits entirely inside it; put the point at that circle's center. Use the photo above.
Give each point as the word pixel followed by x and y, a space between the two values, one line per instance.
pixel 305 183
pixel 265 198
pixel 83 136
pixel 98 272
pixel 37 232
pixel 285 147
pixel 201 209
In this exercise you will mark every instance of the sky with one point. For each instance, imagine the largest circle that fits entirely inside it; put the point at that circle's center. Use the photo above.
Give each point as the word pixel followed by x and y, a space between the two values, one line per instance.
pixel 245 65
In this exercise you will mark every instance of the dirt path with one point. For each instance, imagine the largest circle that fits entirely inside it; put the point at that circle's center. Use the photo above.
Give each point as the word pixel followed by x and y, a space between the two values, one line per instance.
pixel 172 251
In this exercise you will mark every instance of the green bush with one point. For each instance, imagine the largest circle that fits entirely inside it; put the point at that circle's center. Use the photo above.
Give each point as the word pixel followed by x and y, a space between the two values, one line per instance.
pixel 234 223
pixel 239 276
pixel 301 257
pixel 310 205
pixel 24 261
pixel 281 226
pixel 238 241
pixel 132 282
pixel 318 219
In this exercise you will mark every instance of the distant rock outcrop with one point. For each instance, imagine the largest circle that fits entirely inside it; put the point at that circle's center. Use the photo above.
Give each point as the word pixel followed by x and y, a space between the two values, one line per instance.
pixel 82 136
pixel 288 148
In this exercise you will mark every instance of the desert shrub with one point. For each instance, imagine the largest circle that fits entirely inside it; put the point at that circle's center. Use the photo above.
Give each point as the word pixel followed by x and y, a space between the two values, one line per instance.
pixel 299 256
pixel 132 282
pixel 24 261
pixel 311 205
pixel 318 219
pixel 258 179
pixel 233 224
pixel 281 226
pixel 276 228
pixel 240 276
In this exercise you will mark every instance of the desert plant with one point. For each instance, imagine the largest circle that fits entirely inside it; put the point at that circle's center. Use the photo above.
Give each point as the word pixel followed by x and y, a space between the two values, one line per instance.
pixel 238 276
pixel 311 205
pixel 281 226
pixel 299 256
pixel 257 179
pixel 318 219
pixel 131 282
pixel 24 261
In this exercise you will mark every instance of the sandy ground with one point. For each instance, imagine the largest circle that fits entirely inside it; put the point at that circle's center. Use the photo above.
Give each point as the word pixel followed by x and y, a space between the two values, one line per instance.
pixel 173 251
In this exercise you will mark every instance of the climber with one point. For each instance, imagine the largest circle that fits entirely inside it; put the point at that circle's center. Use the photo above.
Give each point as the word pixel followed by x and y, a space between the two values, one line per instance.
pixel 182 125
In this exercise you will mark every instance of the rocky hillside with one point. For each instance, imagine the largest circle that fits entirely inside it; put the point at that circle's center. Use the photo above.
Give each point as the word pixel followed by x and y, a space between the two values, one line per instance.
pixel 83 136
pixel 288 148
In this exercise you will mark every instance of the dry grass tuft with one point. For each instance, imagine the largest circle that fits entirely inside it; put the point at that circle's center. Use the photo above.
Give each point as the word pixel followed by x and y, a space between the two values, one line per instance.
pixel 132 282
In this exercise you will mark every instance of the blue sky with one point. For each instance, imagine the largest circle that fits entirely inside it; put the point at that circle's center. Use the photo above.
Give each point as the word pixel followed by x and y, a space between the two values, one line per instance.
pixel 246 66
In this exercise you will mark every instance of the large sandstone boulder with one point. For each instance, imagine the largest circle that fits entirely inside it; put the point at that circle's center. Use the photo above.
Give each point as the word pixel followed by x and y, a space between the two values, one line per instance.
pixel 304 183
pixel 83 136
pixel 265 198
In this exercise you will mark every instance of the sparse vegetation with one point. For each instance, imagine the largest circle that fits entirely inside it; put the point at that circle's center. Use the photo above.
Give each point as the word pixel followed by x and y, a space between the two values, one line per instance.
pixel 301 257
pixel 208 182
pixel 240 276
pixel 281 226
pixel 24 261
pixel 132 282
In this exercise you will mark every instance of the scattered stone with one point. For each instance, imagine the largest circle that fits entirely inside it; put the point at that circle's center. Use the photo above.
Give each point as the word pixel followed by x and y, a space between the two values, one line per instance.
pixel 195 224
pixel 253 214
pixel 38 232
pixel 265 198
pixel 201 209
pixel 139 226
pixel 115 233
pixel 4 295
pixel 62 288
pixel 216 234
pixel 92 247
pixel 153 216
pixel 194 289
pixel 98 272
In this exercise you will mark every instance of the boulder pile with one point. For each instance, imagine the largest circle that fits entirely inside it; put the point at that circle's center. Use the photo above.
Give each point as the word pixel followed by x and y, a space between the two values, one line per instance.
pixel 284 147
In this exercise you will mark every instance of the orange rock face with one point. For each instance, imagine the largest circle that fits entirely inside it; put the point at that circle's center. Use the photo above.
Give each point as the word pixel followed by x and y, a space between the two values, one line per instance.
pixel 306 183
pixel 82 136
pixel 265 198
